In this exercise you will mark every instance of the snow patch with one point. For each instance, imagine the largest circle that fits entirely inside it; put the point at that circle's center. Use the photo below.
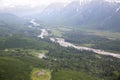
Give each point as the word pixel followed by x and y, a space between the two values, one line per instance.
pixel 77 9
pixel 117 9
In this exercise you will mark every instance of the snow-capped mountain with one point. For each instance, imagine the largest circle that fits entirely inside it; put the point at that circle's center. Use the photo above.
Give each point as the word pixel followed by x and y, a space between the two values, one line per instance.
pixel 96 13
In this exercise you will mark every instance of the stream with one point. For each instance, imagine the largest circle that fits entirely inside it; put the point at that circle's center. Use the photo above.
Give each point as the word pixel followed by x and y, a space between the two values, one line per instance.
pixel 63 43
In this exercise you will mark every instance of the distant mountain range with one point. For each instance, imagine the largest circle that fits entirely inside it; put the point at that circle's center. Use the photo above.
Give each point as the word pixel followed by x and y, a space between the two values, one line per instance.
pixel 96 14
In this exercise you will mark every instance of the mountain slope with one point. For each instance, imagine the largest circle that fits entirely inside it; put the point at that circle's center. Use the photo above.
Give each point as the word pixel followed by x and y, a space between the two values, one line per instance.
pixel 113 23
pixel 10 23
pixel 96 14
pixel 11 19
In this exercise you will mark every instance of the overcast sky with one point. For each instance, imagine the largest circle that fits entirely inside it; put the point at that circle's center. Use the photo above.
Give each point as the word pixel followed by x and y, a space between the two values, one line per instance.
pixel 31 3
pixel 27 3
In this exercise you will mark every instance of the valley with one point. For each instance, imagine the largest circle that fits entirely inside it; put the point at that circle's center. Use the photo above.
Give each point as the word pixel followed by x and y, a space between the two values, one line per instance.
pixel 63 43
pixel 74 40
pixel 56 57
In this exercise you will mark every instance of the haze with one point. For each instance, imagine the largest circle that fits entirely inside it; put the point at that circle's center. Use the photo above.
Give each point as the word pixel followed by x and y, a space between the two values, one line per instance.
pixel 34 3
pixel 27 3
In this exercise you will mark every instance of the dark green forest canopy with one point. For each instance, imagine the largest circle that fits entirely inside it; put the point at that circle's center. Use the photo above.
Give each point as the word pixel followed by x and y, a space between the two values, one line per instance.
pixel 66 58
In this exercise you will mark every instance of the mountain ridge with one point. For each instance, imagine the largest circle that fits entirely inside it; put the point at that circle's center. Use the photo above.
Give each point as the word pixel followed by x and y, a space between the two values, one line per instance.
pixel 94 12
